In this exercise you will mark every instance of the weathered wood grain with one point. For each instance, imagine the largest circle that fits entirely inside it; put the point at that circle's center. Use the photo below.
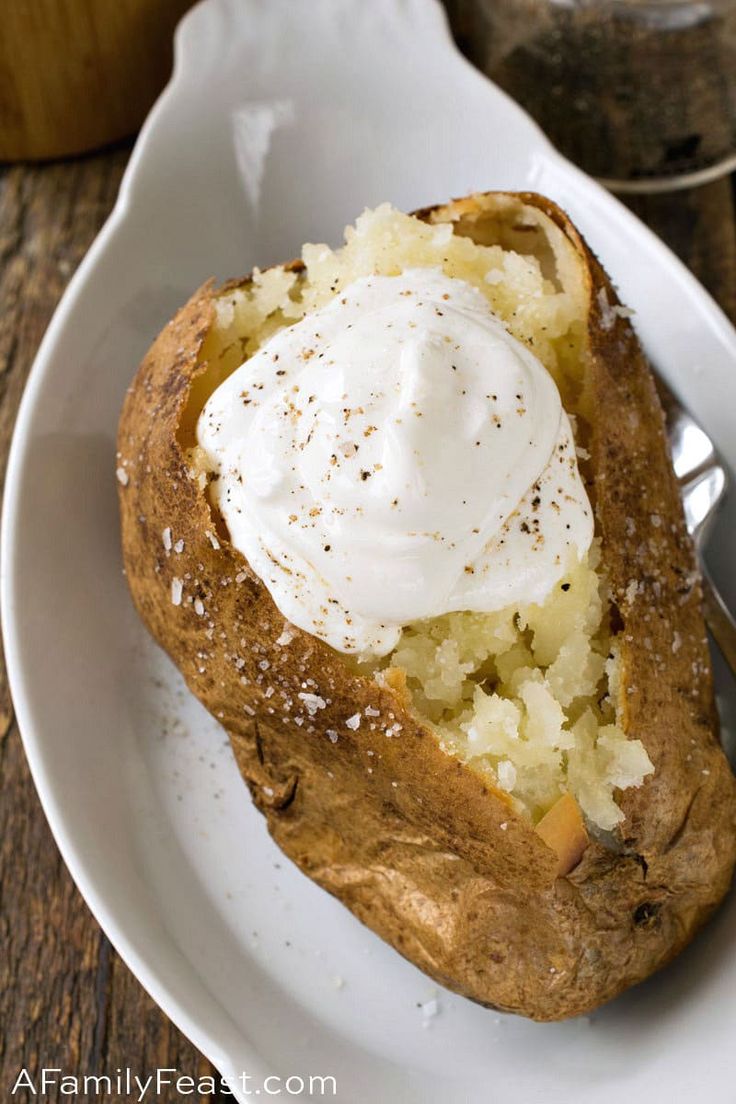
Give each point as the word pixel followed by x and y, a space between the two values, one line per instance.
pixel 66 999
pixel 700 225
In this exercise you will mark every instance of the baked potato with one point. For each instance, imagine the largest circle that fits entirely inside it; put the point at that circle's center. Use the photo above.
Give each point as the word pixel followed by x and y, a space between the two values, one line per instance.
pixel 541 882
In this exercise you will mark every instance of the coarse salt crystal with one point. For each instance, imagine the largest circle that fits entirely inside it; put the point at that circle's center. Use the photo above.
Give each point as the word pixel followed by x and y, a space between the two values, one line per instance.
pixel 199 607
pixel 608 311
pixel 442 234
pixel 179 547
pixel 506 773
pixel 122 475
pixel 312 702
pixel 286 636
pixel 212 539
pixel 371 712
pixel 177 587
pixel 353 722
pixel 166 538
pixel 332 735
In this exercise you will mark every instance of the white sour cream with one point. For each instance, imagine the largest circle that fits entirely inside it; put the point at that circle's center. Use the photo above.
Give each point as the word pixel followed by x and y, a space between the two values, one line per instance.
pixel 395 456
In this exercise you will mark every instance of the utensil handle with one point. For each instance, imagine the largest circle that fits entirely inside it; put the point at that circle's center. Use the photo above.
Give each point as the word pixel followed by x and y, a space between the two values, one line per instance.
pixel 719 619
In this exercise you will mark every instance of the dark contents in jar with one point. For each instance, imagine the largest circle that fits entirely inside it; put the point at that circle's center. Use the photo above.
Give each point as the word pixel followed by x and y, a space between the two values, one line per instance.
pixel 628 89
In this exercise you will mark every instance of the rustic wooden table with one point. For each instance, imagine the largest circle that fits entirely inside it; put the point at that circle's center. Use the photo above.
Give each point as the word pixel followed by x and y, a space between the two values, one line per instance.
pixel 66 999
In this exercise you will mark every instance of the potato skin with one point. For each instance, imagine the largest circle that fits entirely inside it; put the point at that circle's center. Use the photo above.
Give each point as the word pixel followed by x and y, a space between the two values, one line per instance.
pixel 413 842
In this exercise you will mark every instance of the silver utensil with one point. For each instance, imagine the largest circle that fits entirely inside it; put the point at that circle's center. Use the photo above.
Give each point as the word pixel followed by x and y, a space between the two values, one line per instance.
pixel 703 483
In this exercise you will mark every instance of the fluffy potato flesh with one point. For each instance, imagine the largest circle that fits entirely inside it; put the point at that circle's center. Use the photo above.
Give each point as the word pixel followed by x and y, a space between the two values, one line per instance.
pixel 523 695
pixel 366 774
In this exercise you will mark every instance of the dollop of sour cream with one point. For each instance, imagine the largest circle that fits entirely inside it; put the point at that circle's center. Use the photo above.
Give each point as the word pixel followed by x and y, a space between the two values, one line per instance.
pixel 394 456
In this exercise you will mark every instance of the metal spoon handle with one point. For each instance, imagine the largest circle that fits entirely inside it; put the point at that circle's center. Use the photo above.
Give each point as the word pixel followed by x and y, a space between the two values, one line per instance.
pixel 719 619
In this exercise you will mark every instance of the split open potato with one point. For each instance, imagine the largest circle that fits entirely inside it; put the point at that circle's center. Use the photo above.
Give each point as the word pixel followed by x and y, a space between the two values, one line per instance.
pixel 543 888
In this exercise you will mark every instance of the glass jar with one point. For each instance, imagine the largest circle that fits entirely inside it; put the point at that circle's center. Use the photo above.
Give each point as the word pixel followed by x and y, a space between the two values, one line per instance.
pixel 640 93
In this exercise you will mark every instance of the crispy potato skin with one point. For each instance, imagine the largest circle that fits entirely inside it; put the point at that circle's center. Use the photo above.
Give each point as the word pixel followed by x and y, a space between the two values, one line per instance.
pixel 419 848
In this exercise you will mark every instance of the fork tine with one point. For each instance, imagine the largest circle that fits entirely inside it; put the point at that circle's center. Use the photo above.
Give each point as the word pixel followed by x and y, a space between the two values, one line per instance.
pixel 702 480
pixel 700 496
pixel 692 450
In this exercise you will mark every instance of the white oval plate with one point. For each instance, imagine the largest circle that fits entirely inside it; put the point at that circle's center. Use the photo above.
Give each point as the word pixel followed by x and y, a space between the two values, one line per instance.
pixel 282 120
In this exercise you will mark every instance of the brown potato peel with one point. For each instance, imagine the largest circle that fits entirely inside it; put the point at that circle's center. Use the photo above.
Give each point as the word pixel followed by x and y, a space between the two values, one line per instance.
pixel 421 849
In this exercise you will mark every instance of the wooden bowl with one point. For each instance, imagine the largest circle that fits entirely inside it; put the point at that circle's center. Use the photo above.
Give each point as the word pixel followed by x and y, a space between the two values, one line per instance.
pixel 79 74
